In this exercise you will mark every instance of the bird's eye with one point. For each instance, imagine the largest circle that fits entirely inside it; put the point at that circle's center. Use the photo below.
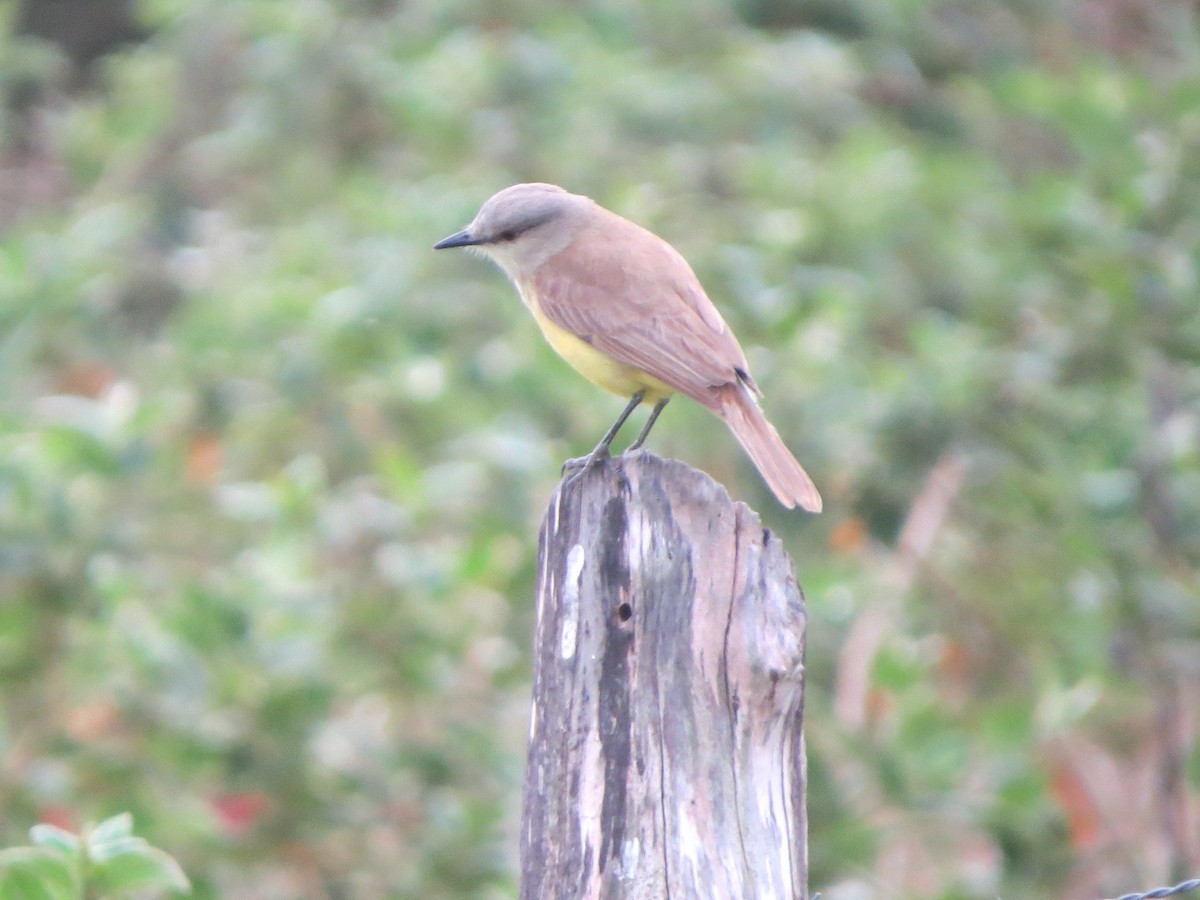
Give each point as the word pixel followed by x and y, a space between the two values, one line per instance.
pixel 506 236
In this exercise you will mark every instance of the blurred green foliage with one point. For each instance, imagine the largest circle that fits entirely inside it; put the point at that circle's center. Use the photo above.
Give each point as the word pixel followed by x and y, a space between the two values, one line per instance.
pixel 105 860
pixel 271 471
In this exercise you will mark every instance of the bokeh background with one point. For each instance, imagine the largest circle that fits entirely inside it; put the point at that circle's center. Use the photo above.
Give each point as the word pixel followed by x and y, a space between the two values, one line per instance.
pixel 271 471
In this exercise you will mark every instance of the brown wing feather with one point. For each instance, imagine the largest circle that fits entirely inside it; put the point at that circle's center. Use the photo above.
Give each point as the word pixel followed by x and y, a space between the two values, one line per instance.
pixel 632 296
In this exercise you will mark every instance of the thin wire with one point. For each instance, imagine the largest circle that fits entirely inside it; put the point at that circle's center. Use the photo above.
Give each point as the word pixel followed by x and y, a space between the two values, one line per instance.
pixel 1164 891
pixel 1148 895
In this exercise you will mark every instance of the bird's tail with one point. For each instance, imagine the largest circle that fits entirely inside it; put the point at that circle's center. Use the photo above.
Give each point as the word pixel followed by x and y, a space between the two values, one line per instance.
pixel 758 437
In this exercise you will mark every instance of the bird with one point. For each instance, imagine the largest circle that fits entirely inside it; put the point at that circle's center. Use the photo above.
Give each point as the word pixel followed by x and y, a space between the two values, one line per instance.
pixel 624 308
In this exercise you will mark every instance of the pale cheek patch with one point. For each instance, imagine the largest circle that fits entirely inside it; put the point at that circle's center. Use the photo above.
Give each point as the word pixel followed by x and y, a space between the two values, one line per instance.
pixel 501 254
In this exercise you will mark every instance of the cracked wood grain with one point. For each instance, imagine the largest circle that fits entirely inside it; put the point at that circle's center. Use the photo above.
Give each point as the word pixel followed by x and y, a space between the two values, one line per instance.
pixel 665 755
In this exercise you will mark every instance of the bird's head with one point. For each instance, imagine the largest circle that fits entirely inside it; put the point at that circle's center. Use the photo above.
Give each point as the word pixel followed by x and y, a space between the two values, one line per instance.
pixel 522 226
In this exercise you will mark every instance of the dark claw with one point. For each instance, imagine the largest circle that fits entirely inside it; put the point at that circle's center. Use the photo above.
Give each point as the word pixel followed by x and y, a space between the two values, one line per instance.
pixel 586 462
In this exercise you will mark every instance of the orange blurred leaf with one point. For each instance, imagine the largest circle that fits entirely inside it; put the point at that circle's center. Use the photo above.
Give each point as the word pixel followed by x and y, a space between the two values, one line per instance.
pixel 92 721
pixel 204 459
pixel 953 660
pixel 1073 798
pixel 85 379
pixel 59 816
pixel 848 537
pixel 239 811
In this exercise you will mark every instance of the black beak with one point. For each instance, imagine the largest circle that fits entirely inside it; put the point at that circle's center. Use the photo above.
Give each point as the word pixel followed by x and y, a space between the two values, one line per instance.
pixel 460 239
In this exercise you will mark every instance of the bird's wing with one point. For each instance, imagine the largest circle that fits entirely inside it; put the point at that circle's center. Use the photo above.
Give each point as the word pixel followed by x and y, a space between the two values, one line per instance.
pixel 632 296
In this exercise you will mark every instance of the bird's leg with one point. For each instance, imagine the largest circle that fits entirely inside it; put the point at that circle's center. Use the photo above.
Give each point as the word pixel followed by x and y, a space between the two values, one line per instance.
pixel 601 450
pixel 641 438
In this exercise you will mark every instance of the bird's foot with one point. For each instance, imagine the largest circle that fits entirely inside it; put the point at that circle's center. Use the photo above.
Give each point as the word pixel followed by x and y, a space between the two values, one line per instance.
pixel 581 463
pixel 573 468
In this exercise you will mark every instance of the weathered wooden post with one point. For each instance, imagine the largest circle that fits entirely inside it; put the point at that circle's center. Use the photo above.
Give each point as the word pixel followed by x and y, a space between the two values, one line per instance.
pixel 665 755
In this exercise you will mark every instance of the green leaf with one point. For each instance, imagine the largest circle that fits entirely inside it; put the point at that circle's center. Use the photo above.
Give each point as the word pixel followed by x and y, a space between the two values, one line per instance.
pixel 31 873
pixel 117 828
pixel 100 852
pixel 54 837
pixel 139 868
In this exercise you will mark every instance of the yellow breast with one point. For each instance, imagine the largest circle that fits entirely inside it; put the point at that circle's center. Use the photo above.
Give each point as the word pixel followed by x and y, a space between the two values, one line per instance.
pixel 597 367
